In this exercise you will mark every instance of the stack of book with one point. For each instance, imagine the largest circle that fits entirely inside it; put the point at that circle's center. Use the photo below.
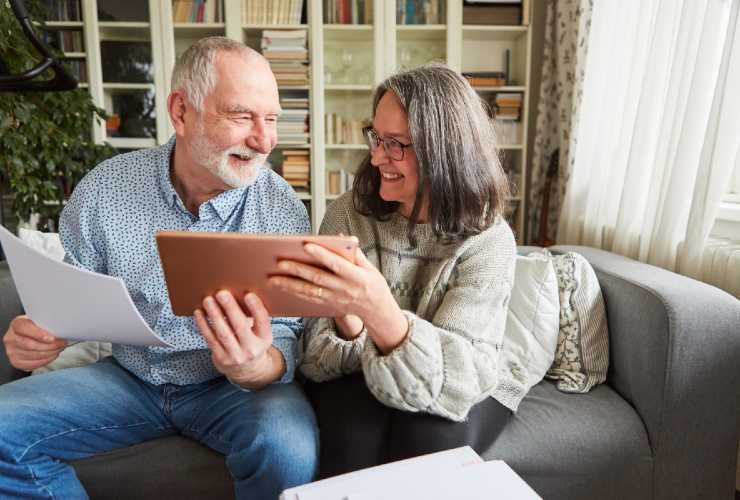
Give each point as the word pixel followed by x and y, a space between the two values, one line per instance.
pixel 292 126
pixel 486 78
pixel 296 168
pixel 341 130
pixel 348 11
pixel 294 102
pixel 420 12
pixel 272 11
pixel 338 182
pixel 507 106
pixel 197 11
pixel 287 52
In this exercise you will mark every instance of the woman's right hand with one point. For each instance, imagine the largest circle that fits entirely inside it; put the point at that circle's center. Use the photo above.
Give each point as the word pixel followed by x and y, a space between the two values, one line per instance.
pixel 349 327
pixel 29 347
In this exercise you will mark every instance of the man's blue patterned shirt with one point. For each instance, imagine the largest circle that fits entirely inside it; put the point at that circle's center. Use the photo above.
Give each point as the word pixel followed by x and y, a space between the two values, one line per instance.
pixel 109 225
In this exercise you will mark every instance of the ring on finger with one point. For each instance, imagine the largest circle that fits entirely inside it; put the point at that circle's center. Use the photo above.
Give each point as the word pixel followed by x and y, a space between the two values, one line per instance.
pixel 215 319
pixel 319 292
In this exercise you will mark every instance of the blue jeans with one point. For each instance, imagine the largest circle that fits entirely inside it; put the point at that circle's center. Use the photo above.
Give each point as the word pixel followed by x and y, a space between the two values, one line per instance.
pixel 269 437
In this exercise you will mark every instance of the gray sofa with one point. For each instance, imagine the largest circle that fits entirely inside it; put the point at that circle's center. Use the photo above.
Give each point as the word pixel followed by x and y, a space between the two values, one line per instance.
pixel 665 425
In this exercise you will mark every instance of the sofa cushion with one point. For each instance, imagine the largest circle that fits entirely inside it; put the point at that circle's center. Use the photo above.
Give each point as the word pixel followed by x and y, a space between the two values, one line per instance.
pixel 590 445
pixel 532 326
pixel 582 355
pixel 171 467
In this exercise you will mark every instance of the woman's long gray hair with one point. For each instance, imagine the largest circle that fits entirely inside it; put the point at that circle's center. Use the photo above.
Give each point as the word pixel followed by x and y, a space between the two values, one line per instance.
pixel 455 144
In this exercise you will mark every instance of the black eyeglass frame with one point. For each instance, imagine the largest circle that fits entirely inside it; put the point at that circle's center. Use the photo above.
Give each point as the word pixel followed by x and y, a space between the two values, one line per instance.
pixel 368 132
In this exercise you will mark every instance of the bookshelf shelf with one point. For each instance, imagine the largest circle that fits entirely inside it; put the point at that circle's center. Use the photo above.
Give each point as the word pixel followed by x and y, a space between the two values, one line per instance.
pixel 293 145
pixel 64 24
pixel 348 27
pixel 261 27
pixel 504 88
pixel 127 86
pixel 303 196
pixel 511 146
pixel 351 147
pixel 420 28
pixel 123 24
pixel 421 33
pixel 115 30
pixel 348 33
pixel 74 55
pixel 349 88
pixel 198 26
pixel 494 32
pixel 198 30
pixel 131 142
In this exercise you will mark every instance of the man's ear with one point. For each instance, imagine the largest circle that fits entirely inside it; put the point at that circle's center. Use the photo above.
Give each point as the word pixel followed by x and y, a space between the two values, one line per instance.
pixel 177 106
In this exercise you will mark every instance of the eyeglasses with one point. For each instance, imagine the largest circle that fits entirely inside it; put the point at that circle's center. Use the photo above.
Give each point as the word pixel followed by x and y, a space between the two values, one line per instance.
pixel 393 148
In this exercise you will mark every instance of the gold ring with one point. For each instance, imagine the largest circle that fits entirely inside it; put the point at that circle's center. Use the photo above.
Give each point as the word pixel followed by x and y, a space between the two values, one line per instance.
pixel 320 292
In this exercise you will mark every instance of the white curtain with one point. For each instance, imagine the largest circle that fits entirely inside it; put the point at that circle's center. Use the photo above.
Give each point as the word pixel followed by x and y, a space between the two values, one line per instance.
pixel 561 90
pixel 659 129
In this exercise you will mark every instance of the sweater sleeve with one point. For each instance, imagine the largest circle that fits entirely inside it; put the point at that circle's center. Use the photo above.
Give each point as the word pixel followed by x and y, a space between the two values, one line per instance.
pixel 325 355
pixel 448 364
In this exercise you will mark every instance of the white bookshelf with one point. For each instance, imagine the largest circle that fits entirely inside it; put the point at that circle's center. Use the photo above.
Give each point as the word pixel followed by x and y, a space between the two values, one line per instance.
pixel 378 49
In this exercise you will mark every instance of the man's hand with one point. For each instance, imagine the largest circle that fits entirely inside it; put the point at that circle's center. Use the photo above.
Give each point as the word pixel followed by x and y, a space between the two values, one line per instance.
pixel 30 347
pixel 241 346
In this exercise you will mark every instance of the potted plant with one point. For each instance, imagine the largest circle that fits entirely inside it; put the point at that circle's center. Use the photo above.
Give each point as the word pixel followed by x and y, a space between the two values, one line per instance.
pixel 46 143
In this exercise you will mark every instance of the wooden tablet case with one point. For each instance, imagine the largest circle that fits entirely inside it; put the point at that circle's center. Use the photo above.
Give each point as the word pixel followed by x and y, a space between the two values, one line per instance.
pixel 199 264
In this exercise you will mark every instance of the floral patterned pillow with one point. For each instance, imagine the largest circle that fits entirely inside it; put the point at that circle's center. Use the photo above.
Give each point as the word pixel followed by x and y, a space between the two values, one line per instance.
pixel 582 354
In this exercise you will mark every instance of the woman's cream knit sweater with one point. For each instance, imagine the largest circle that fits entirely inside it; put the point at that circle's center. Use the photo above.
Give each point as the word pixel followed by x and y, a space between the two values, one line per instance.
pixel 455 298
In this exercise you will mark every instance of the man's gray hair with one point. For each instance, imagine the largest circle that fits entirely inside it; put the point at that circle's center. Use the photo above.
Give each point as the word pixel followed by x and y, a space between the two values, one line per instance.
pixel 195 72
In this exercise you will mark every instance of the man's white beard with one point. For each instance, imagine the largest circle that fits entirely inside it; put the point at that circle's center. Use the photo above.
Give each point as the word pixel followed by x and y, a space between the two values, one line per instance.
pixel 216 161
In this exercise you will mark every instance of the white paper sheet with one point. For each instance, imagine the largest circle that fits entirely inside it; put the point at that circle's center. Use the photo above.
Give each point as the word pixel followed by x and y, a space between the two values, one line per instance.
pixel 73 303
pixel 482 481
pixel 364 481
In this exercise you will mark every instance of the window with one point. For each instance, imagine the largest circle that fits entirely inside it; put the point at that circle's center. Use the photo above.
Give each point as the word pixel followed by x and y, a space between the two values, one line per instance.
pixel 727 224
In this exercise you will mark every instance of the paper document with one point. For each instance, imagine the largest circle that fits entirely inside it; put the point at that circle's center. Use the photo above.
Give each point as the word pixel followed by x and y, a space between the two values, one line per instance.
pixel 73 303
pixel 368 481
pixel 475 482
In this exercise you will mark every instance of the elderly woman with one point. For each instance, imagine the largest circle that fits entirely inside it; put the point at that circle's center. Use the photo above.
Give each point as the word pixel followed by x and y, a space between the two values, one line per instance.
pixel 419 316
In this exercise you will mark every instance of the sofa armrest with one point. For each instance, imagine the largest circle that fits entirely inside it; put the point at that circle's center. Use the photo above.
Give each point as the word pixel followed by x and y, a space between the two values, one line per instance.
pixel 675 351
pixel 10 307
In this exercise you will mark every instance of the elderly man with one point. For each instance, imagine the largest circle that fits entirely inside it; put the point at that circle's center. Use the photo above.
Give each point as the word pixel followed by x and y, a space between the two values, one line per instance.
pixel 234 393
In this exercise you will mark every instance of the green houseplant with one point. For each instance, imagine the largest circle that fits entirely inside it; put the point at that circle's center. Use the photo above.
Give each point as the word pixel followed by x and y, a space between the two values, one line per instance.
pixel 46 144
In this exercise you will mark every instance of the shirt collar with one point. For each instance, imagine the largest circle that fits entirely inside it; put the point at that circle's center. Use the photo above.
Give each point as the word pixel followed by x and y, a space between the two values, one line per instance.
pixel 165 182
pixel 223 204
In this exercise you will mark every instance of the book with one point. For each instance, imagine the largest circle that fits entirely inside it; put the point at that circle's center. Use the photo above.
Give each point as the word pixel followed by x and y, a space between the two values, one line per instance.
pixel 493 14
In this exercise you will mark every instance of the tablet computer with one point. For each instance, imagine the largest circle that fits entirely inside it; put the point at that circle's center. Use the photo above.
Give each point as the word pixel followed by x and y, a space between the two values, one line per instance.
pixel 200 264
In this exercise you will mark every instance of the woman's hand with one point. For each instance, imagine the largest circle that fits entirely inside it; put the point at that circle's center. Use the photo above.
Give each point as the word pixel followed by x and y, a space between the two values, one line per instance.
pixel 349 326
pixel 357 289
pixel 241 346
